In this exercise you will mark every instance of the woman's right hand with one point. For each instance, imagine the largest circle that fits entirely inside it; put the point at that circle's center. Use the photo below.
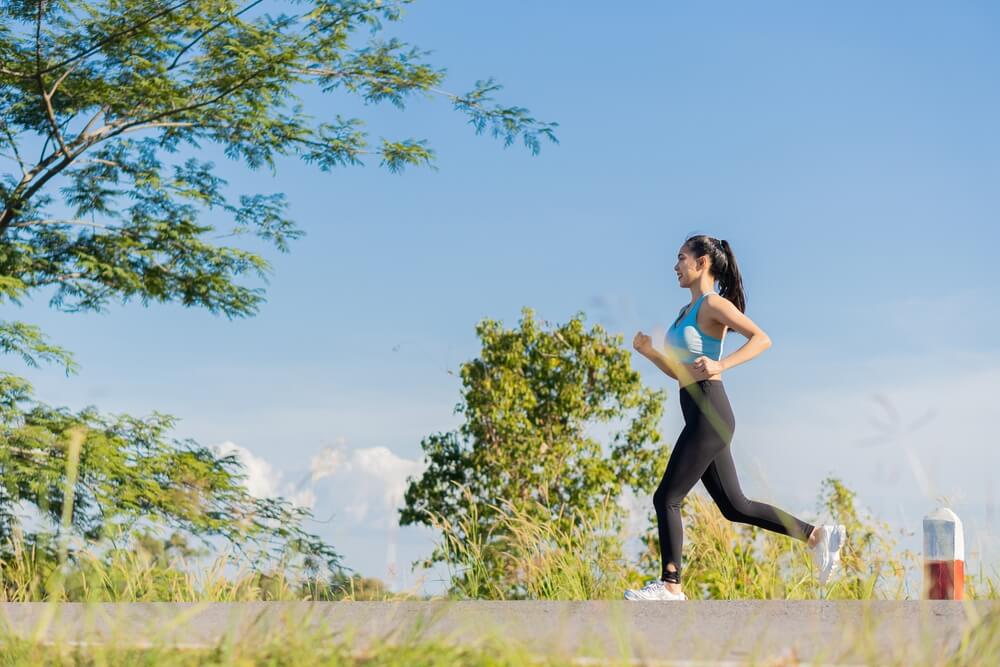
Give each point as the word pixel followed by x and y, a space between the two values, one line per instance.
pixel 642 343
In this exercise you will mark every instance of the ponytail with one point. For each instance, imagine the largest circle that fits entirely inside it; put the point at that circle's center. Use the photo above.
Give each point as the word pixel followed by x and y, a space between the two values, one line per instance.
pixel 723 267
pixel 730 281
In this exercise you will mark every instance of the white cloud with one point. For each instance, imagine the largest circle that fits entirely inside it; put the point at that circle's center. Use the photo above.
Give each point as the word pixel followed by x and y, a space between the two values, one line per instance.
pixel 368 483
pixel 263 480
pixel 363 489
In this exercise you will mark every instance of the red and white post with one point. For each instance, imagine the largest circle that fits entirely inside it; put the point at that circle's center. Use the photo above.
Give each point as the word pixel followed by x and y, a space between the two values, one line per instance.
pixel 944 556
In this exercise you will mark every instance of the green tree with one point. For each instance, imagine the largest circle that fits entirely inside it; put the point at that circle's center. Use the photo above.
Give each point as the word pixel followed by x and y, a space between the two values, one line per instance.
pixel 99 102
pixel 535 402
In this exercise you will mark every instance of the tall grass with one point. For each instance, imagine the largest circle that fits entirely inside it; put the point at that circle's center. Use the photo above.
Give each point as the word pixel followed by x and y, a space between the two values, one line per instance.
pixel 983 584
pixel 524 557
pixel 723 560
pixel 132 573
pixel 727 561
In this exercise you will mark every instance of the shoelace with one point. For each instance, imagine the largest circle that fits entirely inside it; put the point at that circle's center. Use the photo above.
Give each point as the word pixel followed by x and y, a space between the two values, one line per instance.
pixel 652 585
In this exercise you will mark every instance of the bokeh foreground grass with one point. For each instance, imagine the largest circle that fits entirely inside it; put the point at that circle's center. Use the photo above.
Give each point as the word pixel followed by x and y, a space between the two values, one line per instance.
pixel 725 561
pixel 294 642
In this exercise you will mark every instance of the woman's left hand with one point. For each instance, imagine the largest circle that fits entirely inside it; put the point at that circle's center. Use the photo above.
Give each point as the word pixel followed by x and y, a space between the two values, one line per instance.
pixel 705 367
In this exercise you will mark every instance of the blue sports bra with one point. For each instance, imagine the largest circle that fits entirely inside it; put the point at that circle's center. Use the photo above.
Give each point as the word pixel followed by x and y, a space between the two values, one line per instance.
pixel 688 341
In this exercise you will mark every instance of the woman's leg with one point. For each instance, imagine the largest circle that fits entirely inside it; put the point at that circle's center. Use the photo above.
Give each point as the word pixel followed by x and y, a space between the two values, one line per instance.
pixel 724 486
pixel 687 464
pixel 703 437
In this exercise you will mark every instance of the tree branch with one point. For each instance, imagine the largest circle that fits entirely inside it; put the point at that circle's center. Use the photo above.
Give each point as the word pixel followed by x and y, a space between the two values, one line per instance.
pixel 146 126
pixel 16 197
pixel 61 78
pixel 207 31
pixel 119 129
pixel 49 113
pixel 78 147
pixel 90 123
pixel 115 35
pixel 84 223
pixel 13 146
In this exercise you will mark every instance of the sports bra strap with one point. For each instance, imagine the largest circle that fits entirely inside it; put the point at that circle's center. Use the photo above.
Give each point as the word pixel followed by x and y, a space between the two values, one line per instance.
pixel 698 302
pixel 692 310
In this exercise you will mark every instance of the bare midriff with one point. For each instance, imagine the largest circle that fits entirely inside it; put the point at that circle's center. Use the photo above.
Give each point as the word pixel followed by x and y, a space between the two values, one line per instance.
pixel 717 376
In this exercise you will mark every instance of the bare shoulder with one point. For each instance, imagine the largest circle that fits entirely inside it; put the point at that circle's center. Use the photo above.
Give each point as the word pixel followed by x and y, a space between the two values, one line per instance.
pixel 724 312
pixel 718 302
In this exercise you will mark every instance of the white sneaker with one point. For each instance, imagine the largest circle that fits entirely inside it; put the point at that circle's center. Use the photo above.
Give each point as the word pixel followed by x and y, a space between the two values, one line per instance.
pixel 826 553
pixel 654 590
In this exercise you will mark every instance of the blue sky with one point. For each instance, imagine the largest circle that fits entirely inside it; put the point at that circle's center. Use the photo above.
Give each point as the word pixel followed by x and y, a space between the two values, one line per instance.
pixel 848 151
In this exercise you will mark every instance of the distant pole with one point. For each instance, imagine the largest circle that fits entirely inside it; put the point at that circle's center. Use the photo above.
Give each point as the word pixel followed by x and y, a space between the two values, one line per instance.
pixel 944 556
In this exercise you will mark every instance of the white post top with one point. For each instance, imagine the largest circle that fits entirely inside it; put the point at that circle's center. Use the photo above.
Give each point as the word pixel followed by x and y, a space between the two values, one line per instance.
pixel 943 514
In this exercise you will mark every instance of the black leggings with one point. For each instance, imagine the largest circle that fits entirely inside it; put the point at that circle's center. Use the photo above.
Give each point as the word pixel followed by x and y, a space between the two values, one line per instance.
pixel 703 451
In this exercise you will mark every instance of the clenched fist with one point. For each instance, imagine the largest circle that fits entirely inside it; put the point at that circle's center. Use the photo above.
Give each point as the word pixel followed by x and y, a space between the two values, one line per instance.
pixel 704 367
pixel 642 343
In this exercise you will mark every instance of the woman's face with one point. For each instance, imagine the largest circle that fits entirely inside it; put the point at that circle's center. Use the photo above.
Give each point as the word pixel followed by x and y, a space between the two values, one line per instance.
pixel 686 268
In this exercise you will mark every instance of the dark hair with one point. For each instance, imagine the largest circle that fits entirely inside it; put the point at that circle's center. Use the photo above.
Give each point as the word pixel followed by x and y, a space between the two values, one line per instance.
pixel 722 264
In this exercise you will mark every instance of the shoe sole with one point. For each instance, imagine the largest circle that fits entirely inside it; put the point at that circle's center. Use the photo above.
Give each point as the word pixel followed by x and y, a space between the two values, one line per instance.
pixel 635 598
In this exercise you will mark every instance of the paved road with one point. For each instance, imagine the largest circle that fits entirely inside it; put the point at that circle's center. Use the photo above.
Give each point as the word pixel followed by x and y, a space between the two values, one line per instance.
pixel 705 632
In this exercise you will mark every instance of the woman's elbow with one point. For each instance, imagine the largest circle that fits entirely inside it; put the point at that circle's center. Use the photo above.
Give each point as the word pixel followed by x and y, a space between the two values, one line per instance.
pixel 765 339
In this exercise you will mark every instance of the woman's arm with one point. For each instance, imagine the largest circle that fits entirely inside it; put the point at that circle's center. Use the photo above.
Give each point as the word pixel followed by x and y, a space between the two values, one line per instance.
pixel 644 345
pixel 750 349
pixel 723 311
pixel 660 360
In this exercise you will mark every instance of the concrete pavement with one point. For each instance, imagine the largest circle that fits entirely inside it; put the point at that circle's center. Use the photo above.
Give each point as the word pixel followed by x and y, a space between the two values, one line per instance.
pixel 691 632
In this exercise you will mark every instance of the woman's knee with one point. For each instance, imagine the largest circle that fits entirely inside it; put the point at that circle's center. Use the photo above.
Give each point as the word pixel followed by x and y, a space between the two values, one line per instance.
pixel 664 499
pixel 734 507
pixel 730 513
pixel 740 511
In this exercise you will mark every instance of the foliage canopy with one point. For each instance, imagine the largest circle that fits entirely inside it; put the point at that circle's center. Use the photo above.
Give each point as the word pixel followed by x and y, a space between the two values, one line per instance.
pixel 101 106
pixel 535 403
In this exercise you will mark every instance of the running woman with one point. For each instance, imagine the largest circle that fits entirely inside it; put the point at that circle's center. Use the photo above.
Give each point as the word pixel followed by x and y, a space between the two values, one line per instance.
pixel 693 356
